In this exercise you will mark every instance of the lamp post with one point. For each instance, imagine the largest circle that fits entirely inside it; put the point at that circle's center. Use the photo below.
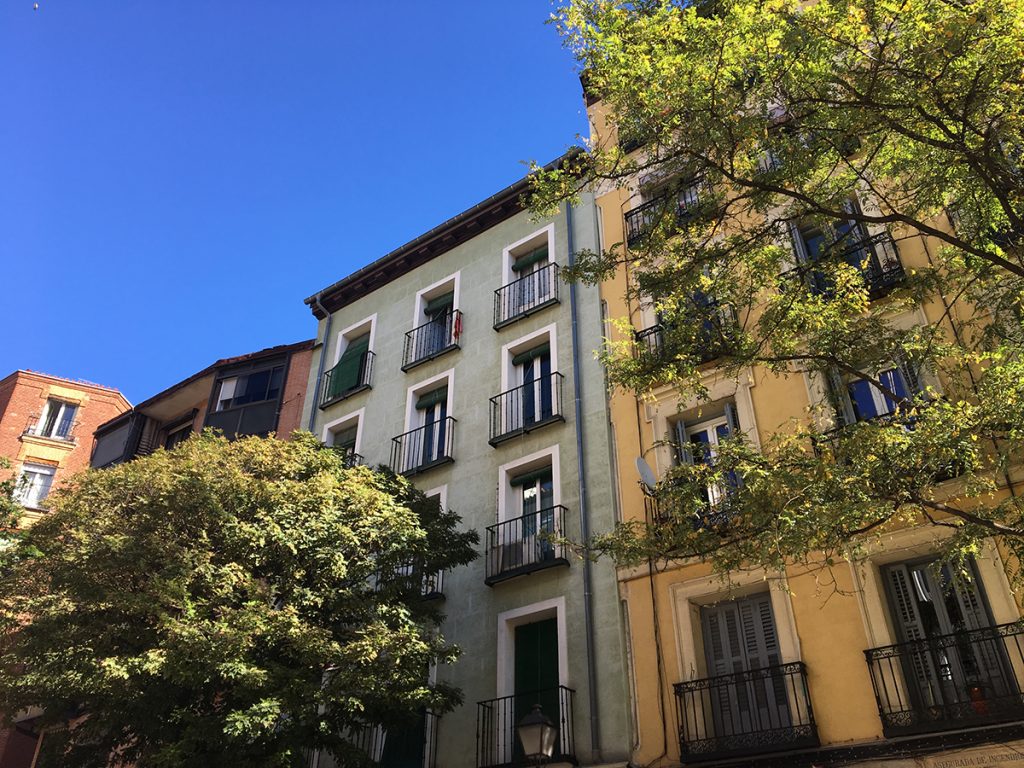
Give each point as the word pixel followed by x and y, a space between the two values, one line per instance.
pixel 537 736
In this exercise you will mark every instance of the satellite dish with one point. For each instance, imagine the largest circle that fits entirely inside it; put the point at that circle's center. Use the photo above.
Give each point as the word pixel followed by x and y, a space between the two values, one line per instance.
pixel 647 477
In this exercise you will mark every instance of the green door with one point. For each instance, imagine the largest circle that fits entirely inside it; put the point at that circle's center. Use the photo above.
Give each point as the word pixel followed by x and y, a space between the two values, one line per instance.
pixel 404 747
pixel 536 673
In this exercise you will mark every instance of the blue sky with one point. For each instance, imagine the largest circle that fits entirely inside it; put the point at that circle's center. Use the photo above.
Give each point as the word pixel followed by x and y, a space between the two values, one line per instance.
pixel 176 177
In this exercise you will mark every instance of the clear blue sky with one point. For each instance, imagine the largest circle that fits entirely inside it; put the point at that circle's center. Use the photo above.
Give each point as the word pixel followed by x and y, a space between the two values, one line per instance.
pixel 176 177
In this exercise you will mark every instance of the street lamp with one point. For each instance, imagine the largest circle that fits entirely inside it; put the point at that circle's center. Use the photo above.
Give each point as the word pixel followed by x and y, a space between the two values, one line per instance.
pixel 537 735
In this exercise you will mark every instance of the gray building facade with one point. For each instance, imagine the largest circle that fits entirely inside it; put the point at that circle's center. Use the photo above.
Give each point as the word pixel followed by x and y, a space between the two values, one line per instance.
pixel 463 361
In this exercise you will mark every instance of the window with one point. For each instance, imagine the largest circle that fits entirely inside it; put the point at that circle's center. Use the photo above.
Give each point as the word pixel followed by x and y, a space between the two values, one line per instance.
pixel 351 373
pixel 250 388
pixel 532 388
pixel 534 282
pixel 432 416
pixel 34 484
pixel 697 443
pixel 956 666
pixel 437 323
pixel 530 277
pixel 846 240
pixel 177 436
pixel 857 399
pixel 343 435
pixel 58 420
pixel 533 375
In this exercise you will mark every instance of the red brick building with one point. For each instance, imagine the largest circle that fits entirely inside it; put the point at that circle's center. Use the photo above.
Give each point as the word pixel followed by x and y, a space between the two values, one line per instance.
pixel 46 429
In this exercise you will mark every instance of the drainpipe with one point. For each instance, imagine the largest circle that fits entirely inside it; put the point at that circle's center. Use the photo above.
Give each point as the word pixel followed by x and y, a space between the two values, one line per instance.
pixel 320 366
pixel 588 619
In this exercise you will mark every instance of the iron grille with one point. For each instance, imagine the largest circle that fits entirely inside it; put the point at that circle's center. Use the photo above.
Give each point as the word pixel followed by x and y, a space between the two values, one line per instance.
pixel 347 378
pixel 877 257
pixel 640 220
pixel 953 681
pixel 526 407
pixel 420 449
pixel 64 429
pixel 496 719
pixel 530 293
pixel 526 544
pixel 754 712
pixel 432 339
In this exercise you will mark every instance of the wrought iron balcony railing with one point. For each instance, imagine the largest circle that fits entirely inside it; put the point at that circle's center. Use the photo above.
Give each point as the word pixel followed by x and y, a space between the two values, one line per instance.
pixel 496 720
pixel 530 293
pixel 650 344
pixel 420 449
pixel 526 407
pixel 347 378
pixel 414 744
pixel 641 219
pixel 432 339
pixel 58 429
pixel 526 544
pixel 965 679
pixel 877 257
pixel 412 577
pixel 755 712
pixel 350 457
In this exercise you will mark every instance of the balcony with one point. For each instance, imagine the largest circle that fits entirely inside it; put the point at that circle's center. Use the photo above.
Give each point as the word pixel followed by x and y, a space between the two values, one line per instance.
pixel 876 257
pixel 743 714
pixel 525 296
pixel 412 745
pixel 640 220
pixel 496 719
pixel 948 682
pixel 525 544
pixel 651 349
pixel 424 448
pixel 526 408
pixel 413 578
pixel 347 378
pixel 440 336
pixel 350 458
pixel 57 429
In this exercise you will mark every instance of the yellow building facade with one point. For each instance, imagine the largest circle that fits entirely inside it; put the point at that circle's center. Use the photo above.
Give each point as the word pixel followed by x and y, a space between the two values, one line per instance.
pixel 811 667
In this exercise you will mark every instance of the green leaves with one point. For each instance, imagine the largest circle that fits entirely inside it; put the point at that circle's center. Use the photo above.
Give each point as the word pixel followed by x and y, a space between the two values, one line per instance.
pixel 227 603
pixel 862 208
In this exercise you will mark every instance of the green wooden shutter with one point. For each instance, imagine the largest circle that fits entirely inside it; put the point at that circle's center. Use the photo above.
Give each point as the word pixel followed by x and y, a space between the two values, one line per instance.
pixel 684 451
pixel 536 671
pixel 439 304
pixel 347 373
pixel 432 398
pixel 530 354
pixel 529 259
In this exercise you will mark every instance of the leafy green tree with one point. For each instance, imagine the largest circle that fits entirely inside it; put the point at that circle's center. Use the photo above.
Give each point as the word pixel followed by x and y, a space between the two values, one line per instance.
pixel 850 128
pixel 228 603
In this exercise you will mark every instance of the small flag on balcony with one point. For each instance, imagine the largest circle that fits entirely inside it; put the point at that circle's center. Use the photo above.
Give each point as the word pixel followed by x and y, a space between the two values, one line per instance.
pixel 457 326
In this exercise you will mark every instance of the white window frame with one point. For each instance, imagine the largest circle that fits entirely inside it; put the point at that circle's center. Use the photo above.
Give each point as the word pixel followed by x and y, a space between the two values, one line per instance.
pixel 523 245
pixel 22 492
pixel 527 614
pixel 354 331
pixel 413 393
pixel 345 422
pixel 506 496
pixel 523 343
pixel 62 406
pixel 662 414
pixel 451 283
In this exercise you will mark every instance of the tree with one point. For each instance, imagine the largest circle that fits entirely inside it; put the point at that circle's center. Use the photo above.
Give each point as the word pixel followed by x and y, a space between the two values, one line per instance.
pixel 228 603
pixel 849 128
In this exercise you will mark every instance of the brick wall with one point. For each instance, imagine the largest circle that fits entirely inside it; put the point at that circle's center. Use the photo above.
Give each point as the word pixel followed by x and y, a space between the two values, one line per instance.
pixel 290 417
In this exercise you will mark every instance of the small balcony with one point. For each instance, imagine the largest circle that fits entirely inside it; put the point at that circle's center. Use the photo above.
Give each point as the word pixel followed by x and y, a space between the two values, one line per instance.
pixel 966 679
pixel 55 429
pixel 526 408
pixel 525 544
pixel 438 337
pixel 744 714
pixel 424 448
pixel 411 745
pixel 640 220
pixel 525 296
pixel 496 743
pixel 876 257
pixel 347 378
pixel 651 349
pixel 350 458
pixel 413 578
